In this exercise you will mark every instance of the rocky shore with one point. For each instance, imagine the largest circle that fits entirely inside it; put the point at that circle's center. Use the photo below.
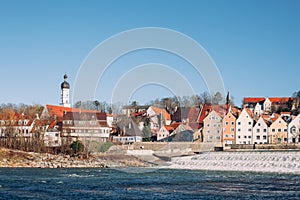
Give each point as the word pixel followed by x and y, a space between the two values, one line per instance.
pixel 15 158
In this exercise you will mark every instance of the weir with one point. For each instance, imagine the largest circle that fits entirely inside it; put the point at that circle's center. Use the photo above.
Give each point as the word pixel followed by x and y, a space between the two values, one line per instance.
pixel 256 161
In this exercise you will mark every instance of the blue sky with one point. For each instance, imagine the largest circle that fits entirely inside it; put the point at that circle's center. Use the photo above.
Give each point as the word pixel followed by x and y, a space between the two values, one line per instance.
pixel 255 44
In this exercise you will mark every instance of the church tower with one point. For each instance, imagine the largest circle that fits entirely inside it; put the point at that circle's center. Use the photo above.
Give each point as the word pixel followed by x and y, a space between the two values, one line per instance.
pixel 228 98
pixel 65 93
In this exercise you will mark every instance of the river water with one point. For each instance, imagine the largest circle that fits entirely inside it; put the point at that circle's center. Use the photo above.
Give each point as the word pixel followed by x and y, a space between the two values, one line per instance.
pixel 29 183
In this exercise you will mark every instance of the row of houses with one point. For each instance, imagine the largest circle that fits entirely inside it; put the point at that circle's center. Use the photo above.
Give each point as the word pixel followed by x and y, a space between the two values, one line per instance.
pixel 255 123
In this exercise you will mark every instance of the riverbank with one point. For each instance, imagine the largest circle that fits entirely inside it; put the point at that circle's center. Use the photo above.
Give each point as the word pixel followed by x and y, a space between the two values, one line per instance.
pixel 15 158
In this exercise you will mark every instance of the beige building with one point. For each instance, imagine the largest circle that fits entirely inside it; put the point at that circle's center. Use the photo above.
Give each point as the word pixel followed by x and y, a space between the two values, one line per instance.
pixel 212 129
pixel 278 131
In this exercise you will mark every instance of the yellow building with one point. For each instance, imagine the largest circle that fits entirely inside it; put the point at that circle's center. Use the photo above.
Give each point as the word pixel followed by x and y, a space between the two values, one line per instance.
pixel 278 131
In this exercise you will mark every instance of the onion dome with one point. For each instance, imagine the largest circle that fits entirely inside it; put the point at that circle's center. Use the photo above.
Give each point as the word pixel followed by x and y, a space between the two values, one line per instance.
pixel 65 84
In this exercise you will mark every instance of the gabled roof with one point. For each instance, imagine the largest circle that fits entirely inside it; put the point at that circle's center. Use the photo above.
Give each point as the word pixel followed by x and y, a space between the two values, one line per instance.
pixel 249 112
pixel 163 111
pixel 183 113
pixel 169 128
pixel 174 125
pixel 281 99
pixel 127 124
pixel 272 99
pixel 58 111
pixel 204 112
pixel 100 117
pixel 254 99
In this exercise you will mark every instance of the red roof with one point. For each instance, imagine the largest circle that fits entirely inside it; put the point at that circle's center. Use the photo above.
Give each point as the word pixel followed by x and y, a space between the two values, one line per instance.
pixel 59 111
pixel 253 99
pixel 169 128
pixel 272 99
pixel 282 99
pixel 163 111
pixel 175 125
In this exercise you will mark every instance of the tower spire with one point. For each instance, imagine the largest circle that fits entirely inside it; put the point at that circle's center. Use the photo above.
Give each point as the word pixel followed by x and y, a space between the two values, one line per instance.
pixel 228 99
pixel 65 92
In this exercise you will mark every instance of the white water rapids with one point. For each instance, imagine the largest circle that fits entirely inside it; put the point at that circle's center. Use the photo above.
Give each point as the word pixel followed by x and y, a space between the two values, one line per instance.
pixel 256 161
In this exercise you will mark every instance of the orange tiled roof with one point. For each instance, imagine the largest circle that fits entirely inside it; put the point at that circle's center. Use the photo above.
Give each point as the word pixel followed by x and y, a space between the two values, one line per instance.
pixel 59 111
pixel 175 125
pixel 169 128
pixel 204 112
pixel 281 99
pixel 157 110
pixel 272 99
pixel 253 99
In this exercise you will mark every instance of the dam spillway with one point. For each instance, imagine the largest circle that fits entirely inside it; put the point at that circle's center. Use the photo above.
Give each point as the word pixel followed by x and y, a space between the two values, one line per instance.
pixel 256 161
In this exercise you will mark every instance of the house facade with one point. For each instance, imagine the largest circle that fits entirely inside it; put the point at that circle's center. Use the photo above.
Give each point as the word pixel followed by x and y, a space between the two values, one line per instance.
pixel 164 132
pixel 229 123
pixel 17 125
pixel 84 126
pixel 278 131
pixel 158 117
pixel 294 130
pixel 212 127
pixel 260 132
pixel 244 124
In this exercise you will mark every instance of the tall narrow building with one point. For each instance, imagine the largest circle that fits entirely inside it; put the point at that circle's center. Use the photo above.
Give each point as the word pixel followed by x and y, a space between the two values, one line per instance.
pixel 65 93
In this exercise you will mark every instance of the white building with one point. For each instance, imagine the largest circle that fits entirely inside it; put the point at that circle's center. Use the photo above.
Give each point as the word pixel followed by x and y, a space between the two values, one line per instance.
pixel 127 139
pixel 65 93
pixel 294 130
pixel 244 124
pixel 260 132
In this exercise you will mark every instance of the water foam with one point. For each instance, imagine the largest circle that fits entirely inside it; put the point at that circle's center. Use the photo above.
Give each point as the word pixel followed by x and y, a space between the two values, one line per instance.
pixel 276 161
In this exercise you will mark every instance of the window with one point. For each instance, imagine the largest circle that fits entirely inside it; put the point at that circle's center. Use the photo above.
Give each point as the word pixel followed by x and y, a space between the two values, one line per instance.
pixel 258 124
pixel 245 137
pixel 265 130
pixel 226 123
pixel 258 130
pixel 279 139
pixel 218 137
pixel 207 132
pixel 232 136
pixel 264 137
pixel 285 139
pixel 239 123
pixel 285 130
pixel 239 137
pixel 258 137
pixel 226 136
pixel 249 130
pixel 249 123
pixel 239 130
pixel 232 129
pixel 249 136
pixel 279 121
pixel 273 129
pixel 279 130
pixel 232 123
